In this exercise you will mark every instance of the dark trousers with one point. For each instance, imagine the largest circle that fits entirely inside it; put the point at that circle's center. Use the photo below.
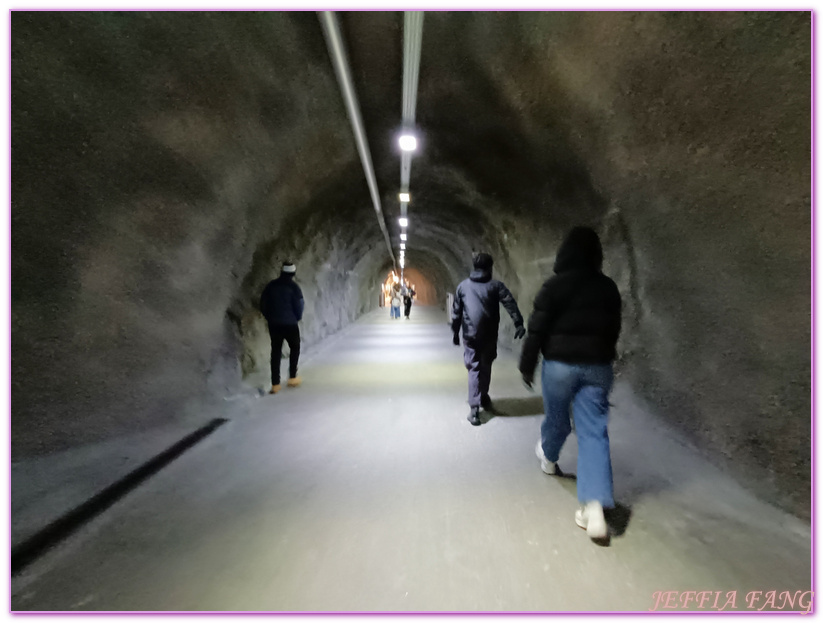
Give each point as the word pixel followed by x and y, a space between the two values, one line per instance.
pixel 408 309
pixel 278 333
pixel 478 357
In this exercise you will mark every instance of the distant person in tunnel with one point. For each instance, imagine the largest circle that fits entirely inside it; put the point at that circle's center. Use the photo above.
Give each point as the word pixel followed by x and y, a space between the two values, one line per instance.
pixel 476 309
pixel 396 299
pixel 282 305
pixel 575 324
pixel 407 301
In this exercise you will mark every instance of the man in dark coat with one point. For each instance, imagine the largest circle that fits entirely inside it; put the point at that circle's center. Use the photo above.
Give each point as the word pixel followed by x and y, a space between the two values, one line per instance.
pixel 477 309
pixel 575 324
pixel 282 305
pixel 407 301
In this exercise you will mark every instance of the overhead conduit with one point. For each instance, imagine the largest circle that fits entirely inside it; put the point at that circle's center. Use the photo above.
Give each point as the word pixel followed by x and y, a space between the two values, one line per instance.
pixel 412 45
pixel 334 41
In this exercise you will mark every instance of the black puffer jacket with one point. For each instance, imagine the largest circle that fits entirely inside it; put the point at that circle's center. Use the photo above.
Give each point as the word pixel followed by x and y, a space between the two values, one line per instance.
pixel 576 317
pixel 476 307
pixel 282 301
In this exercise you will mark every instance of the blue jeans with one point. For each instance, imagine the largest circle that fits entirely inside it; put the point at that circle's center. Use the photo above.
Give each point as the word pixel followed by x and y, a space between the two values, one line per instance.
pixel 395 312
pixel 586 386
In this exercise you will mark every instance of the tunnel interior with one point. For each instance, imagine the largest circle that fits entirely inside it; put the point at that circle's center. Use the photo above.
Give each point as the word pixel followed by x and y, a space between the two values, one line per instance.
pixel 164 165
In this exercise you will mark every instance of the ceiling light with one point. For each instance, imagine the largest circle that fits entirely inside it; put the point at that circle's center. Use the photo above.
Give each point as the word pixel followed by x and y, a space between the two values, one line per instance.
pixel 404 222
pixel 405 197
pixel 402 246
pixel 403 236
pixel 407 142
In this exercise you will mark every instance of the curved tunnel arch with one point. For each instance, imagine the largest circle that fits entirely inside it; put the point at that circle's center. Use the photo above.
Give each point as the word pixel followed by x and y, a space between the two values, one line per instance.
pixel 159 180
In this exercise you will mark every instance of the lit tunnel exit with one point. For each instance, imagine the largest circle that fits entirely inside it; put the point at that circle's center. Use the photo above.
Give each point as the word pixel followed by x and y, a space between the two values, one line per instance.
pixel 424 291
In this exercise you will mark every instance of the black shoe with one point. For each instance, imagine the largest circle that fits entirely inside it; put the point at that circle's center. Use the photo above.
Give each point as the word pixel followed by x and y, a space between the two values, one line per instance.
pixel 474 416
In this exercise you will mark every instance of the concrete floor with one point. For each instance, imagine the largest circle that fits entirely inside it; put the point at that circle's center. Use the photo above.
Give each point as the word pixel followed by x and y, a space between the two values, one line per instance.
pixel 367 490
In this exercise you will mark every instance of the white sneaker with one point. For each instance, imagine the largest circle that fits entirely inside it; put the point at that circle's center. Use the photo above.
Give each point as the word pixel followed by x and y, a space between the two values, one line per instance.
pixel 591 518
pixel 548 467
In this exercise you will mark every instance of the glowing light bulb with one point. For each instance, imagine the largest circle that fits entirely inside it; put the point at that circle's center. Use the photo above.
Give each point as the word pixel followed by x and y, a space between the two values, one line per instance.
pixel 407 142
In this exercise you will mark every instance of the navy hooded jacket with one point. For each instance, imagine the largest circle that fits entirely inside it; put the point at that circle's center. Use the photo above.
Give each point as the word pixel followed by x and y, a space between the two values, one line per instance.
pixel 282 301
pixel 576 317
pixel 477 307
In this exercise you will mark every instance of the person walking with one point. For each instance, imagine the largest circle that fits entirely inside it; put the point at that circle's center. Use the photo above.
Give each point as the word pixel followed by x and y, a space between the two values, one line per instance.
pixel 407 302
pixel 476 309
pixel 282 305
pixel 395 302
pixel 575 324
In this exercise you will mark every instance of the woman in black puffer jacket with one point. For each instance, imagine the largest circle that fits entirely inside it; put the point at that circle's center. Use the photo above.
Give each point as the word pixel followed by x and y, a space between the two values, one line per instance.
pixel 575 324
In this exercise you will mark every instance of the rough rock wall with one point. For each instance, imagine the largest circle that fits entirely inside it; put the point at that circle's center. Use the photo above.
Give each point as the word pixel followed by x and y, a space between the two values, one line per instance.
pixel 153 154
pixel 685 137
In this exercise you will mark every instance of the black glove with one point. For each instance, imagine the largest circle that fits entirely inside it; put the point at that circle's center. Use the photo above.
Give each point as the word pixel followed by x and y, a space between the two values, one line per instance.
pixel 456 340
pixel 519 332
pixel 528 383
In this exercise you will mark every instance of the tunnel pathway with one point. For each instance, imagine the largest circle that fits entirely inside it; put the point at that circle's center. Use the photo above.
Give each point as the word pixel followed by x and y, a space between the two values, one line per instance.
pixel 366 489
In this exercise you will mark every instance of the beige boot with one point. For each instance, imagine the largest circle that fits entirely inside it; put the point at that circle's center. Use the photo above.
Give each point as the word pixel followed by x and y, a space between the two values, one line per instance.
pixel 274 389
pixel 295 382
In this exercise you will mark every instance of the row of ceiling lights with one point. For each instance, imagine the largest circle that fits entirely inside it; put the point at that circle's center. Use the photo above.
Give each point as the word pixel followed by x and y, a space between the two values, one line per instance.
pixel 412 42
pixel 408 143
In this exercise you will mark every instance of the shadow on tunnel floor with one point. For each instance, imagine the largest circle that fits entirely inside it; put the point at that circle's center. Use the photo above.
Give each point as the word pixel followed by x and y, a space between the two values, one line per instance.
pixel 618 518
pixel 516 407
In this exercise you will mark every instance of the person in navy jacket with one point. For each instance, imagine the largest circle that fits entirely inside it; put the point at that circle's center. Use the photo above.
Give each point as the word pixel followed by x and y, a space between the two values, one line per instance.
pixel 476 309
pixel 282 305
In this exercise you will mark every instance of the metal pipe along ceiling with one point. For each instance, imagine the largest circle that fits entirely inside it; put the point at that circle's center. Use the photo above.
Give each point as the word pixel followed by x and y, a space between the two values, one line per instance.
pixel 334 41
pixel 412 45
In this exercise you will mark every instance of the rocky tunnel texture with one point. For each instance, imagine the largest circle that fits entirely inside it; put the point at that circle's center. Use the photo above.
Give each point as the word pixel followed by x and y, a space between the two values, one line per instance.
pixel 164 164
